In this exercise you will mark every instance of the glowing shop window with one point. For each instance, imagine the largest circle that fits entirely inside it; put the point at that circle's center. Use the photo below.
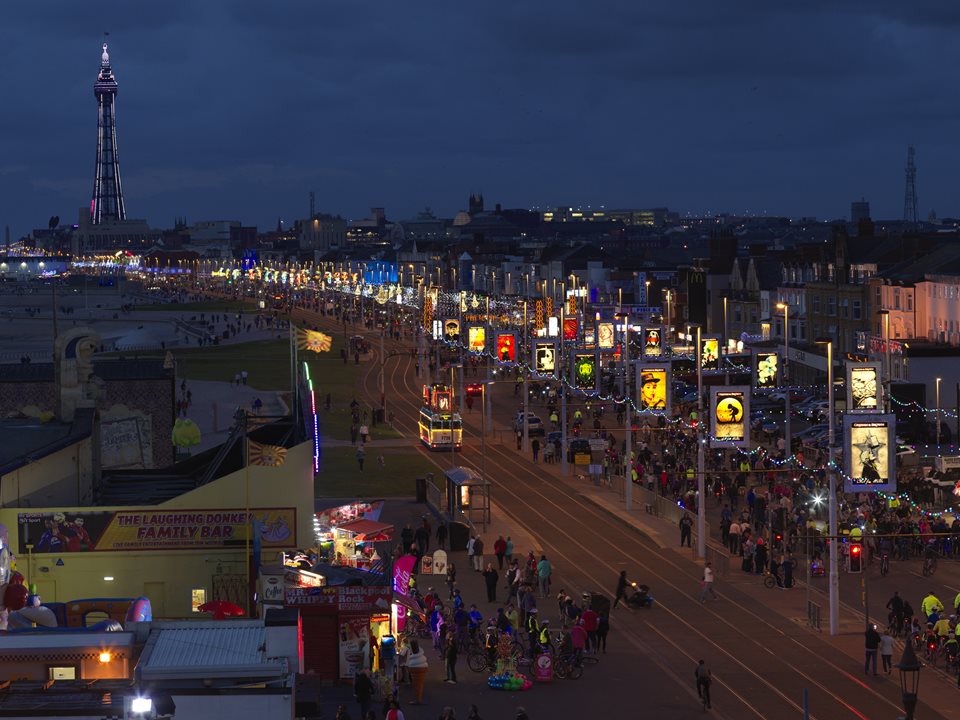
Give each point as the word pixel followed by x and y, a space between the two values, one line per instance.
pixel 198 596
pixel 63 673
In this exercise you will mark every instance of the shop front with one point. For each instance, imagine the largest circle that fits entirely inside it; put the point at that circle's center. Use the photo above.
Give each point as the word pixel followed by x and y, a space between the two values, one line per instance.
pixel 344 630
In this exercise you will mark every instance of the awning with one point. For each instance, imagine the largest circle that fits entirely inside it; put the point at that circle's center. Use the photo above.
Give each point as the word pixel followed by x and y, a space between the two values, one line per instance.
pixel 410 604
pixel 367 530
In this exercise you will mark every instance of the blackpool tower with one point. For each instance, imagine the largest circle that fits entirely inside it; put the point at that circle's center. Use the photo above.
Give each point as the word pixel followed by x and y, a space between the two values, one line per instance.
pixel 107 202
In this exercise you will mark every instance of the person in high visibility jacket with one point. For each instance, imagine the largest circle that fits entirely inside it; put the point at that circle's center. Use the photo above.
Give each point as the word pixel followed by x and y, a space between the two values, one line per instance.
pixel 930 605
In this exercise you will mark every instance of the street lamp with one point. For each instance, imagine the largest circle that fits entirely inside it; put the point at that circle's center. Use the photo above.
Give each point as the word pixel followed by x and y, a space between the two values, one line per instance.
pixel 909 667
pixel 834 587
pixel 786 377
pixel 938 413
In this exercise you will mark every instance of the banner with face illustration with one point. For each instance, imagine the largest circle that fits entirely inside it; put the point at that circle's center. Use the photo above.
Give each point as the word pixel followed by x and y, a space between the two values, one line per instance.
pixel 767 365
pixel 545 358
pixel 869 453
pixel 653 341
pixel 730 416
pixel 864 388
pixel 653 387
pixel 451 330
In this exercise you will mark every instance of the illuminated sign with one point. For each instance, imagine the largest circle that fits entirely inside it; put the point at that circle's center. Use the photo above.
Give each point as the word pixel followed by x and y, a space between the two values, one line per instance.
pixel 570 326
pixel 864 389
pixel 653 387
pixel 653 341
pixel 437 329
pixel 869 455
pixel 729 416
pixel 709 353
pixel 477 338
pixel 553 326
pixel 605 335
pixel 768 369
pixel 585 371
pixel 451 330
pixel 506 347
pixel 545 358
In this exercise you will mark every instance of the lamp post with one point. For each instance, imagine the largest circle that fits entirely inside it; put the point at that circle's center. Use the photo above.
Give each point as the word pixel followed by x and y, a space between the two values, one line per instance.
pixel 628 473
pixel 938 414
pixel 701 480
pixel 831 472
pixel 786 377
pixel 909 667
pixel 887 368
pixel 725 327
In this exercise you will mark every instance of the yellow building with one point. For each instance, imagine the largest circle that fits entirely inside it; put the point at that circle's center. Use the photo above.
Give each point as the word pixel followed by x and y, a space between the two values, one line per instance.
pixel 178 553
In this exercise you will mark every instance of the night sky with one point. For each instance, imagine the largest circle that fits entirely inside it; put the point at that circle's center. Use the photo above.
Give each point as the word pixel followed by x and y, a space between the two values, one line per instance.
pixel 237 109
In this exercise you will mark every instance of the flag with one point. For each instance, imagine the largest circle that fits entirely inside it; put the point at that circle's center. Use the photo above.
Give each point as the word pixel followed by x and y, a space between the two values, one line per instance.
pixel 313 340
pixel 267 455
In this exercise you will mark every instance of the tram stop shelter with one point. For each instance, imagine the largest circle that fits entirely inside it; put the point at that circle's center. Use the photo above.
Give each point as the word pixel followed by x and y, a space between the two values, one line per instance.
pixel 468 496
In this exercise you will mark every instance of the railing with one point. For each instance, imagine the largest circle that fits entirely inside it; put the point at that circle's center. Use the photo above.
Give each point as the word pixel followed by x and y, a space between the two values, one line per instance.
pixel 813 615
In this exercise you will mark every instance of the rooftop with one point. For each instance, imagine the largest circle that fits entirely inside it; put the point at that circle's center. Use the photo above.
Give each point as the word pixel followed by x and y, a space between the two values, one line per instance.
pixel 24 440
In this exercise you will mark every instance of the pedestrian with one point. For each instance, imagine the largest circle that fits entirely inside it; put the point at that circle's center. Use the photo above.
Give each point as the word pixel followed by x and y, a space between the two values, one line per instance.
pixel 871 645
pixel 734 535
pixel 591 624
pixel 621 590
pixel 470 545
pixel 243 376
pixel 886 650
pixel 788 564
pixel 361 454
pixel 490 577
pixel 686 529
pixel 417 666
pixel 450 659
pixel 603 627
pixel 519 439
pixel 395 713
pixel 477 554
pixel 363 691
pixel 451 578
pixel 442 535
pixel 544 570
pixel 236 379
pixel 703 677
pixel 535 446
pixel 760 556
pixel 706 585
pixel 508 553
pixel 403 652
pixel 364 433
pixel 500 550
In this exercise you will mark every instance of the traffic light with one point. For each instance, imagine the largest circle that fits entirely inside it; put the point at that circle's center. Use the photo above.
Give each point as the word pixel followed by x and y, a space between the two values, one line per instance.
pixel 777 539
pixel 856 557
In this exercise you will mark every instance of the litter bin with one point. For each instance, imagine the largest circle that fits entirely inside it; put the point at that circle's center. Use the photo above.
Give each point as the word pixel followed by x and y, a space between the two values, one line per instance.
pixel 421 490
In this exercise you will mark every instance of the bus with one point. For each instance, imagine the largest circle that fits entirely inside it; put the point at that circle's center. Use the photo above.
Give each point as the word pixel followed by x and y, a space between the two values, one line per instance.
pixel 440 426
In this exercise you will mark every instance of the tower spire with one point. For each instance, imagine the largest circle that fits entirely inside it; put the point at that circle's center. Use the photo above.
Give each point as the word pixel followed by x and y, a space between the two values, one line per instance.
pixel 107 201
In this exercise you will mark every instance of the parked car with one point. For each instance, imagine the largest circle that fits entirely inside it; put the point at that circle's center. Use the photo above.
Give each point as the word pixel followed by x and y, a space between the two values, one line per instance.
pixel 534 424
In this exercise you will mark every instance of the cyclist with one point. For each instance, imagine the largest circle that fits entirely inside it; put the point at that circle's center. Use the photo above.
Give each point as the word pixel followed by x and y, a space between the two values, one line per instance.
pixel 544 639
pixel 951 648
pixel 930 554
pixel 942 628
pixel 533 630
pixel 702 675
pixel 956 603
pixel 490 644
pixel 895 606
pixel 931 605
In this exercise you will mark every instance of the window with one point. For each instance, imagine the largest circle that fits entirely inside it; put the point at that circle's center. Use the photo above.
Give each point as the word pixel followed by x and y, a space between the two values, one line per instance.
pixel 816 304
pixel 198 596
pixel 844 308
pixel 857 310
pixel 832 306
pixel 879 297
pixel 62 672
pixel 909 301
pixel 896 299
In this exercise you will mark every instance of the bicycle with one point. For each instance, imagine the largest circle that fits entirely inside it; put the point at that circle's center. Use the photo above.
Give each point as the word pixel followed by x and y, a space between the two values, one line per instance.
pixel 929 566
pixel 568 666
pixel 771 581
pixel 931 652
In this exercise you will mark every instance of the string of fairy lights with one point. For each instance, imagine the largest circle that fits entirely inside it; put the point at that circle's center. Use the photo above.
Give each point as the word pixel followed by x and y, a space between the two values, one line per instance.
pixel 446 304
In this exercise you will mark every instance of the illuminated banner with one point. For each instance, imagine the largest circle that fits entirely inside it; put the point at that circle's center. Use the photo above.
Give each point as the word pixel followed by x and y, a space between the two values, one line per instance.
pixel 869 453
pixel 570 327
pixel 710 353
pixel 538 314
pixel 767 365
pixel 605 340
pixel 506 347
pixel 153 529
pixel 477 338
pixel 553 326
pixel 653 341
pixel 451 330
pixel 437 329
pixel 730 416
pixel 545 358
pixel 444 401
pixel 588 335
pixel 653 387
pixel 864 389
pixel 585 371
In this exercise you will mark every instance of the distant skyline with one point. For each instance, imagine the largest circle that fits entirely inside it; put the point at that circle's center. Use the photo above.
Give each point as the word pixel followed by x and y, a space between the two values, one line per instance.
pixel 230 109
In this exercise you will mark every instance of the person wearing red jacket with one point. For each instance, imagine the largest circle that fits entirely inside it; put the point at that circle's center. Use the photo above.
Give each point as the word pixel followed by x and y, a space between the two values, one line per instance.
pixel 500 549
pixel 590 621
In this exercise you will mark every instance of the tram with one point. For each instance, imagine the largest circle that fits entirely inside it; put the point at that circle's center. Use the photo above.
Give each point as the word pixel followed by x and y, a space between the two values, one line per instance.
pixel 440 426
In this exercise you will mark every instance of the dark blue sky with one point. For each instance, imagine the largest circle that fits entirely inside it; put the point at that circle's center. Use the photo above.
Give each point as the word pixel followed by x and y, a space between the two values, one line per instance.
pixel 237 109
